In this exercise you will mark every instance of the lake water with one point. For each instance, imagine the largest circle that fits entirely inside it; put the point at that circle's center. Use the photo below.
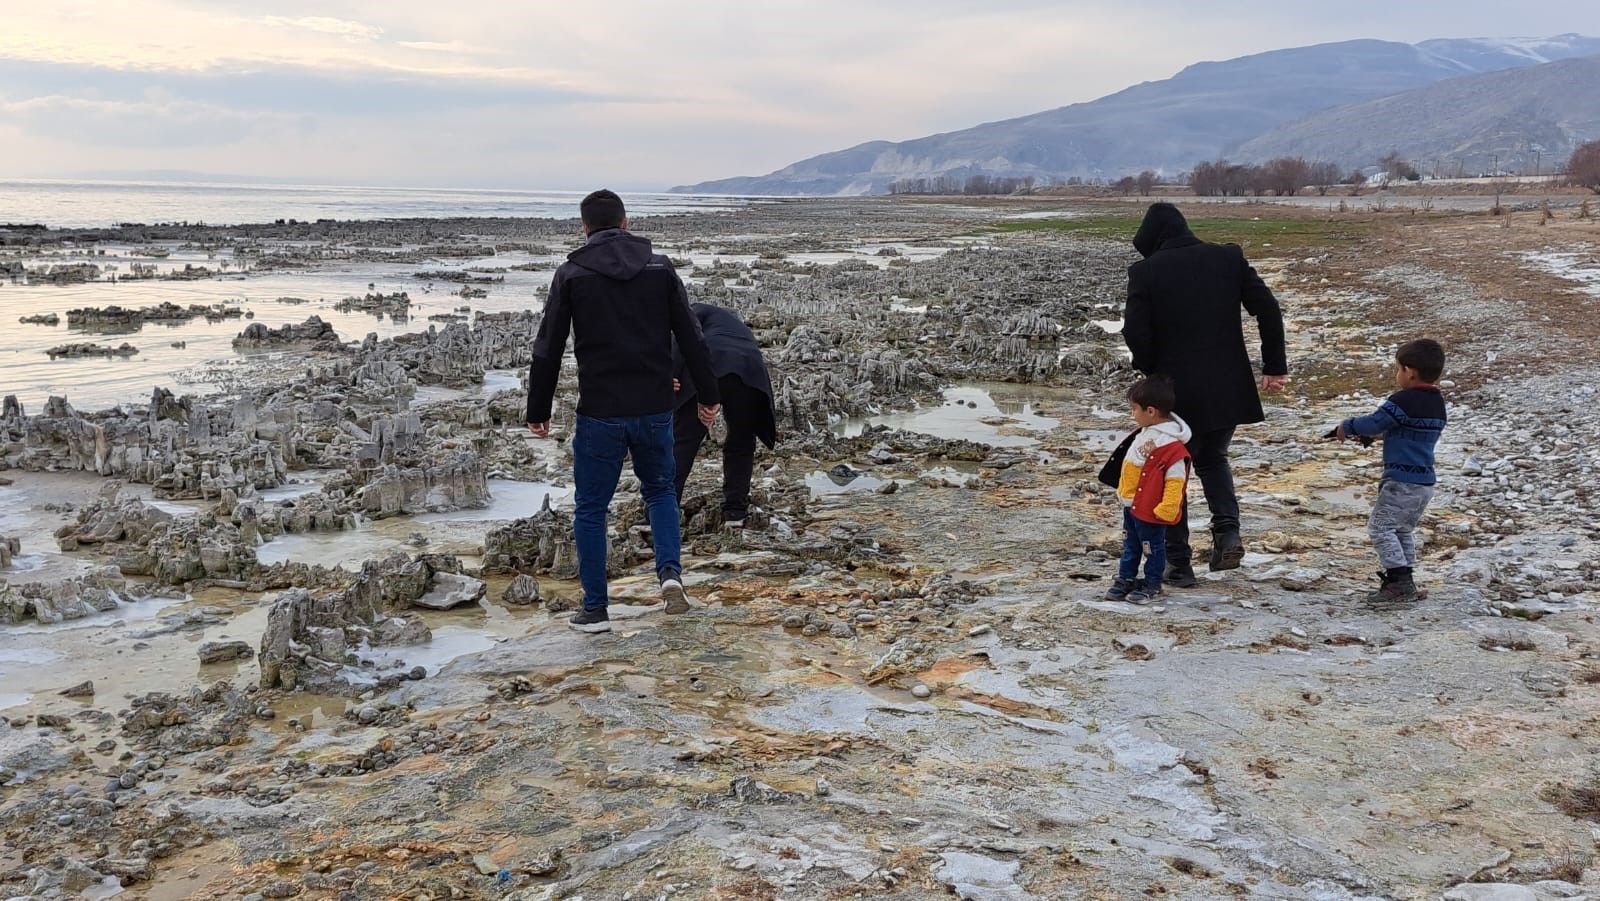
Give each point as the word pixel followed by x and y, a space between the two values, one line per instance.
pixel 192 357
pixel 62 203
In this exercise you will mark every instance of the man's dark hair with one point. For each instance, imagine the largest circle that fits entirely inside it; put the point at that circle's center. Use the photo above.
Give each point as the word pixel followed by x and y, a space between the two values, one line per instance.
pixel 1425 355
pixel 601 210
pixel 1154 391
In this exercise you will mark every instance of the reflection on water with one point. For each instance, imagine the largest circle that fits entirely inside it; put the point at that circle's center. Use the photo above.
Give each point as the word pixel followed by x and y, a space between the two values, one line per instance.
pixel 829 482
pixel 970 413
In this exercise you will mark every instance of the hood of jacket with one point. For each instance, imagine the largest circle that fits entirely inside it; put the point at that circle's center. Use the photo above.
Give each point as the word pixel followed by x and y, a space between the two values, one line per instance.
pixel 614 253
pixel 1162 223
pixel 1175 430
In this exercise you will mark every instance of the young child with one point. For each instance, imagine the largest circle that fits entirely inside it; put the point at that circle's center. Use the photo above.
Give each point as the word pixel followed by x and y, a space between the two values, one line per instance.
pixel 1409 422
pixel 1154 475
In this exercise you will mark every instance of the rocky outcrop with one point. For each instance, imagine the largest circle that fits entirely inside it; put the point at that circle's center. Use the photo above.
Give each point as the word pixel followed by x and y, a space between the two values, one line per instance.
pixel 39 318
pixel 311 638
pixel 74 351
pixel 9 549
pixel 453 484
pixel 129 318
pixel 189 549
pixel 396 305
pixel 537 544
pixel 53 602
pixel 181 448
pixel 313 334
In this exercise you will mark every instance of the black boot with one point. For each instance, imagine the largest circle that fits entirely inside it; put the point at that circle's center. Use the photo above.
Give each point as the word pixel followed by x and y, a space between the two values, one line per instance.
pixel 1396 588
pixel 1226 550
pixel 1179 575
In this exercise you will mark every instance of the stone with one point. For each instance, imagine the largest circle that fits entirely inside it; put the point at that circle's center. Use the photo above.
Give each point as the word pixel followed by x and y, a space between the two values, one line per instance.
pixel 452 590
pixel 83 689
pixel 223 651
pixel 921 691
pixel 523 591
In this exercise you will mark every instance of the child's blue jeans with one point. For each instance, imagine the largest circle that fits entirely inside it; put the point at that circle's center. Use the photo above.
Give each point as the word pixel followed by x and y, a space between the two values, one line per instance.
pixel 1147 538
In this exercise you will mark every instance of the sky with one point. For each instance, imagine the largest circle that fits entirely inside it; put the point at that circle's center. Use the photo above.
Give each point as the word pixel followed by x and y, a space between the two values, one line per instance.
pixel 632 95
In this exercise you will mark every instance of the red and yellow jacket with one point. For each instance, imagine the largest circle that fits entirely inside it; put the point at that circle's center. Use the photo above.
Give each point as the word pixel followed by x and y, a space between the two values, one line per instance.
pixel 1155 473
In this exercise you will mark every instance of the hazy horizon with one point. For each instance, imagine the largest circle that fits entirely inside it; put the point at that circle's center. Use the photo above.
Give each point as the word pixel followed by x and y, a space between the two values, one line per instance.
pixel 634 96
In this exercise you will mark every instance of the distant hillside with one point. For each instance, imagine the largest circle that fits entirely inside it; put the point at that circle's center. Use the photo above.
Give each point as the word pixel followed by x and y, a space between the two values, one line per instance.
pixel 1204 111
pixel 1467 125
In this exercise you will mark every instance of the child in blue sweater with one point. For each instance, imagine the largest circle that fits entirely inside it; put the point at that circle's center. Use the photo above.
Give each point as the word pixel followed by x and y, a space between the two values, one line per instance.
pixel 1409 423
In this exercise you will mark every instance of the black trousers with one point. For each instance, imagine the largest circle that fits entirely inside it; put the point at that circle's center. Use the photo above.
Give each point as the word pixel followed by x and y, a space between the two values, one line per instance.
pixel 1210 453
pixel 745 409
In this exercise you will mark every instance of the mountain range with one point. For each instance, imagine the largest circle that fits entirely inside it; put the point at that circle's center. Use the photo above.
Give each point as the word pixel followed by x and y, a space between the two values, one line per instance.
pixel 1249 108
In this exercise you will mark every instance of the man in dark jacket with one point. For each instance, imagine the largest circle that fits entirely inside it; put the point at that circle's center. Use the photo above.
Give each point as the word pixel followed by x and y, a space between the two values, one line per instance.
pixel 746 391
pixel 625 305
pixel 1182 321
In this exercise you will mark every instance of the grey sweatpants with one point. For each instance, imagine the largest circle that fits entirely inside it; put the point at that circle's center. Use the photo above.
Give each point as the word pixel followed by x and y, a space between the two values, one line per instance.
pixel 1394 517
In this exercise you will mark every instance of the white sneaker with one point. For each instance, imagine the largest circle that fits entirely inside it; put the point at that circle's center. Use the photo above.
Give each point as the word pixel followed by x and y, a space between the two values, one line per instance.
pixel 676 598
pixel 733 523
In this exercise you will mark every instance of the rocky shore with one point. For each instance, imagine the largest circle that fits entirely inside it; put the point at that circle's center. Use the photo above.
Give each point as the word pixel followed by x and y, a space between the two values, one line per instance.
pixel 899 680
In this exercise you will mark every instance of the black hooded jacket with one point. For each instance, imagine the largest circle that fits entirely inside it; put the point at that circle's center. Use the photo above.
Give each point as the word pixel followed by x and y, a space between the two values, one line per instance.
pixel 625 305
pixel 734 352
pixel 1182 321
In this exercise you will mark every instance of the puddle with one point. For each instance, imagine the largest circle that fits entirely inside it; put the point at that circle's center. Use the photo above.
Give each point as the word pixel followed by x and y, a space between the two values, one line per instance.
pixel 824 482
pixel 459 532
pixel 127 651
pixel 1104 439
pixel 494 381
pixel 969 412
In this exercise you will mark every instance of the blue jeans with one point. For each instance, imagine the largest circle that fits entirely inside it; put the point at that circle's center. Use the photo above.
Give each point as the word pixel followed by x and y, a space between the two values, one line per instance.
pixel 598 448
pixel 1151 539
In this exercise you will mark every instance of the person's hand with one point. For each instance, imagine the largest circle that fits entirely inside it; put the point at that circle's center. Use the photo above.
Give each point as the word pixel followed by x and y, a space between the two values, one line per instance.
pixel 1340 433
pixel 676 386
pixel 540 429
pixel 1274 384
pixel 708 415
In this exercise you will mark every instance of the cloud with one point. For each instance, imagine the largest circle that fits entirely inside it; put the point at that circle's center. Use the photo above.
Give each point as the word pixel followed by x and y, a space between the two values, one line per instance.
pixel 324 25
pixel 158 120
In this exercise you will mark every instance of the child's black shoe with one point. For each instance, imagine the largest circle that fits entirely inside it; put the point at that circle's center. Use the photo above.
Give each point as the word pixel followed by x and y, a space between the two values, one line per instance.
pixel 1397 588
pixel 1120 589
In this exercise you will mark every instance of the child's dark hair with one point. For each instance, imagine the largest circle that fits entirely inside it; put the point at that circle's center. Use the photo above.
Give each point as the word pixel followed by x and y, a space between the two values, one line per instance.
pixel 1154 391
pixel 1425 355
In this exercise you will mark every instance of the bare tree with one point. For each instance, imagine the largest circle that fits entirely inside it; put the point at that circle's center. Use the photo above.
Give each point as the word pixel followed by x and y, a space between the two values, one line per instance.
pixel 1285 176
pixel 1146 182
pixel 1126 184
pixel 1583 168
pixel 1322 176
pixel 1397 167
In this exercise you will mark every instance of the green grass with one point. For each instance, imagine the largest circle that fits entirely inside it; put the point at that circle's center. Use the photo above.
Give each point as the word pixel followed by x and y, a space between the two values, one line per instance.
pixel 1248 233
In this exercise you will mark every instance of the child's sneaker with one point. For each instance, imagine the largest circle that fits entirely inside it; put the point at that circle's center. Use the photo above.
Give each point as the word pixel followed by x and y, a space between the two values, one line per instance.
pixel 591 621
pixel 1120 589
pixel 1144 594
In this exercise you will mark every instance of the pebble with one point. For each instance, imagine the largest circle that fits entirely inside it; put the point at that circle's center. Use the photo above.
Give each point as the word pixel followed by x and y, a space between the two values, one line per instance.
pixel 823 788
pixel 921 691
pixel 367 715
pixel 975 631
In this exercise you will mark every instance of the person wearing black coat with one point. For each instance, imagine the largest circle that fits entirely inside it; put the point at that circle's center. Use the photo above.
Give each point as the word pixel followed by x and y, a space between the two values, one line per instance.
pixel 1183 321
pixel 746 394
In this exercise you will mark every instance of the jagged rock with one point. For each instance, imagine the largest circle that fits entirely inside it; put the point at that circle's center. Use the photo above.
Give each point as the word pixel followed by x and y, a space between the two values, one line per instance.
pixel 451 590
pixel 183 550
pixel 314 331
pixel 523 591
pixel 453 484
pixel 541 543
pixel 40 319
pixel 9 548
pixel 219 651
pixel 308 634
pixel 81 349
pixel 54 602
pixel 111 520
pixel 83 689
